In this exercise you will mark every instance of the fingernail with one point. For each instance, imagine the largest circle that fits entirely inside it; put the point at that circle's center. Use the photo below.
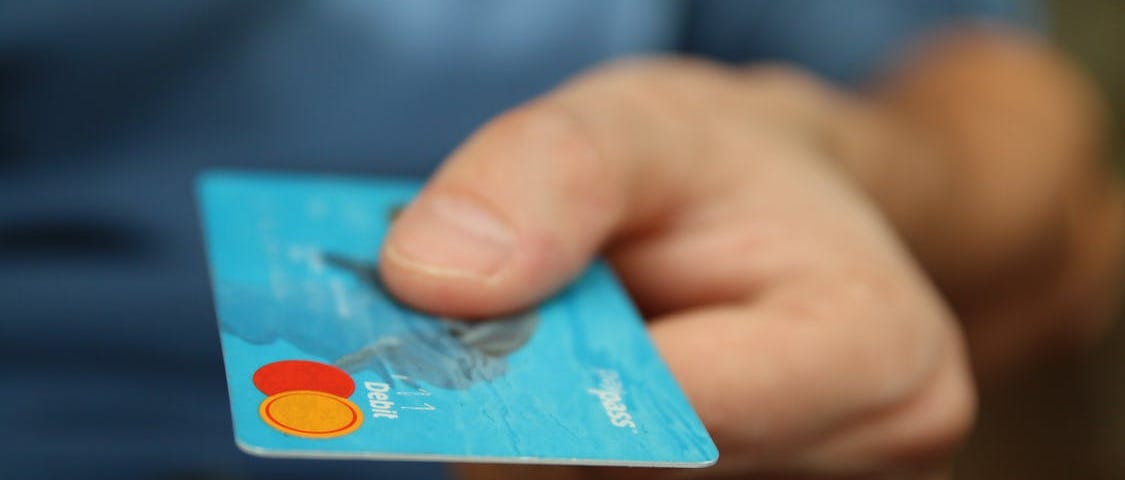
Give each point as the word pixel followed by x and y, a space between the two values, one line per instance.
pixel 445 235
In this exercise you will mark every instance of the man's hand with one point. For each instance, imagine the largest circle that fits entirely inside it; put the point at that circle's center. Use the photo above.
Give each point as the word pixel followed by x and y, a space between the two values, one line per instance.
pixel 782 237
pixel 800 328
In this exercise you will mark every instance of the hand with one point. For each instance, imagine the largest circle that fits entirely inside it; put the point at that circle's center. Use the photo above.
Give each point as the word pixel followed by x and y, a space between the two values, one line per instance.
pixel 801 329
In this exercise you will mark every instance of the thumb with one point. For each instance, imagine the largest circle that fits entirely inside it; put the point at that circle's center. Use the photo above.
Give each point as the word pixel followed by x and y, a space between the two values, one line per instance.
pixel 510 217
pixel 519 209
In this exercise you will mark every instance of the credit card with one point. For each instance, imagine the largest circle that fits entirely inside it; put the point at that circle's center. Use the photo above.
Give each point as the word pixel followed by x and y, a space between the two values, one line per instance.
pixel 322 362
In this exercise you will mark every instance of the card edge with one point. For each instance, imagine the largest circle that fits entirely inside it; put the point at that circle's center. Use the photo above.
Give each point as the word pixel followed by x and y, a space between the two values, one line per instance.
pixel 438 458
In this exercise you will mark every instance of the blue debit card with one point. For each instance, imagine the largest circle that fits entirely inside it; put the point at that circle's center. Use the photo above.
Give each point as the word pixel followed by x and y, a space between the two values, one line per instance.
pixel 321 362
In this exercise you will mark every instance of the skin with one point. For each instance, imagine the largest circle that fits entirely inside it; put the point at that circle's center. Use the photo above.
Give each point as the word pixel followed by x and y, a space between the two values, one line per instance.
pixel 829 274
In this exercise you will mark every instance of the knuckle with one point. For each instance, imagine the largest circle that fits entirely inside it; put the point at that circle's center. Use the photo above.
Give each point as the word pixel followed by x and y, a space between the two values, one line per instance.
pixel 680 84
pixel 907 340
pixel 935 423
pixel 788 90
pixel 881 326
pixel 782 75
pixel 656 67
pixel 563 153
pixel 918 391
pixel 565 147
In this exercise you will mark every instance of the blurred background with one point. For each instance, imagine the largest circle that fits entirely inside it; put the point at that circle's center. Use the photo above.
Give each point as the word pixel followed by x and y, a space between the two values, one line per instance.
pixel 1066 421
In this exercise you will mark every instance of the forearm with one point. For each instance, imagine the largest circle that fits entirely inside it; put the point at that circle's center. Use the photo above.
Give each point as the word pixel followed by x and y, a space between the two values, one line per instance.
pixel 986 151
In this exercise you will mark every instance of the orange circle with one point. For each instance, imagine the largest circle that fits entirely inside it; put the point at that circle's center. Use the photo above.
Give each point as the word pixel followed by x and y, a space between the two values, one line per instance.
pixel 287 375
pixel 311 414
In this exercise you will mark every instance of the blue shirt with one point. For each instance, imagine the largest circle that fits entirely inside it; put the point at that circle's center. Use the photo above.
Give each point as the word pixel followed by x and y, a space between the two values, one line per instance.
pixel 109 360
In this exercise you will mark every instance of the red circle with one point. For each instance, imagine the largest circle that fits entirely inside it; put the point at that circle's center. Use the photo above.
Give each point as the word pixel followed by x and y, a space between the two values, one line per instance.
pixel 288 375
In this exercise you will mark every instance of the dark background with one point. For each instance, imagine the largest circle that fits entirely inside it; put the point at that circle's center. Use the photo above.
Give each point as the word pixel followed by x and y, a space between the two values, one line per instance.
pixel 1066 421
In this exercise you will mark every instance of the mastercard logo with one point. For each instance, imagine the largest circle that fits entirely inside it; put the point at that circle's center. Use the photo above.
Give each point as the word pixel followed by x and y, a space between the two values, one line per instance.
pixel 307 399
